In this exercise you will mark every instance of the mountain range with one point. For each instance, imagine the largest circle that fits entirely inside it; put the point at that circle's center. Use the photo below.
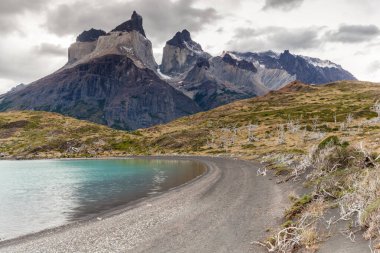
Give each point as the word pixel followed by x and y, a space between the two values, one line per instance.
pixel 112 78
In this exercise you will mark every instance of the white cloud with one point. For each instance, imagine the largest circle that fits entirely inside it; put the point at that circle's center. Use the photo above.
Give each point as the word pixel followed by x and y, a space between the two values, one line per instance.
pixel 37 33
pixel 285 5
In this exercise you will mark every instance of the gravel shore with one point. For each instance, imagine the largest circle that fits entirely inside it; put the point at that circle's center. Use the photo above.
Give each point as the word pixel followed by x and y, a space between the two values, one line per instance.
pixel 223 211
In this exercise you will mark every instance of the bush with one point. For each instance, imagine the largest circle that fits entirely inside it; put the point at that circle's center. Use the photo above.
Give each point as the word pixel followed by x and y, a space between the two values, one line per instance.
pixel 329 141
pixel 298 206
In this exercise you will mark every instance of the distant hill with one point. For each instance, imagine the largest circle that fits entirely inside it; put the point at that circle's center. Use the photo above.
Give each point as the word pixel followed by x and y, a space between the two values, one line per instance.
pixel 249 128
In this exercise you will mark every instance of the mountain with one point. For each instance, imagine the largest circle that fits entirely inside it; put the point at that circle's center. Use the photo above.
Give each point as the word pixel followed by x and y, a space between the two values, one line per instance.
pixel 109 79
pixel 112 78
pixel 127 39
pixel 214 81
pixel 220 80
pixel 181 53
pixel 305 69
pixel 134 24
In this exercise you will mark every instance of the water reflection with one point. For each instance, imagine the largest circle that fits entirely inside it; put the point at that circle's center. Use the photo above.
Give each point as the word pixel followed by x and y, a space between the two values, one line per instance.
pixel 35 195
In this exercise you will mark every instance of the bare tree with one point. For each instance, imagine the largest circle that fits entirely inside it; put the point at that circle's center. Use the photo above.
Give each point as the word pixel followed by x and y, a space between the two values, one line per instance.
pixel 315 121
pixel 343 126
pixel 349 119
pixel 304 135
pixel 281 134
pixel 293 126
pixel 376 108
pixel 251 128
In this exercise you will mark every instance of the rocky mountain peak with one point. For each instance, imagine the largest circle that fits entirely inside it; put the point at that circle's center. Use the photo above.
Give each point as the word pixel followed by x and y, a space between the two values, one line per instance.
pixel 242 64
pixel 127 39
pixel 90 35
pixel 181 54
pixel 134 24
pixel 180 38
pixel 203 62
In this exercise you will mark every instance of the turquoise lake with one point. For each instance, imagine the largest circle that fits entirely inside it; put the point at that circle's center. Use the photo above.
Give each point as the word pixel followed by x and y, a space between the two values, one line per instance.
pixel 42 194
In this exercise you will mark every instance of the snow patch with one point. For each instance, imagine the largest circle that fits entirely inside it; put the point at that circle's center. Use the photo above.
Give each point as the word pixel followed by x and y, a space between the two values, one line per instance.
pixel 193 48
pixel 321 63
pixel 234 56
pixel 127 49
pixel 163 76
pixel 271 54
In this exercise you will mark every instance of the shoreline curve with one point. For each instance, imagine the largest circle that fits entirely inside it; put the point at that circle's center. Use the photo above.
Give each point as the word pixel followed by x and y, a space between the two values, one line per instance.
pixel 228 202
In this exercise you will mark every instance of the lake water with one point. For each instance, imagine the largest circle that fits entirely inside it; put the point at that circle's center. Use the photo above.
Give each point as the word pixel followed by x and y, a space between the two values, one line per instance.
pixel 36 195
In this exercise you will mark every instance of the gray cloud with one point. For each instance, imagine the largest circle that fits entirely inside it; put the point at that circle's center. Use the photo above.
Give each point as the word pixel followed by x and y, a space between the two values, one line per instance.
pixel 8 7
pixel 245 33
pixel 6 25
pixel 11 9
pixel 275 38
pixel 353 33
pixel 161 20
pixel 50 49
pixel 220 30
pixel 29 63
pixel 285 5
pixel 374 67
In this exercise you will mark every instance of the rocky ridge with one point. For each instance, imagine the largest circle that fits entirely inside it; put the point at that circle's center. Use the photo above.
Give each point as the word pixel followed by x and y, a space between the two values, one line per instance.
pixel 181 53
pixel 126 39
pixel 111 80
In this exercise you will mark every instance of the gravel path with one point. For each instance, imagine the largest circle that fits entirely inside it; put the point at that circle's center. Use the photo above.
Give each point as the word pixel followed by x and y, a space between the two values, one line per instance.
pixel 223 211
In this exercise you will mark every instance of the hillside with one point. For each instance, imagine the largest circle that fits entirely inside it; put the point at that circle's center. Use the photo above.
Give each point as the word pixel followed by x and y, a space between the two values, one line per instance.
pixel 322 137
pixel 300 114
pixel 28 134
pixel 249 128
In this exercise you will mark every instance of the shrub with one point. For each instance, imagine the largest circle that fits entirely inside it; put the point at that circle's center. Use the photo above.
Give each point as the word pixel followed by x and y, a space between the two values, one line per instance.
pixel 298 206
pixel 329 141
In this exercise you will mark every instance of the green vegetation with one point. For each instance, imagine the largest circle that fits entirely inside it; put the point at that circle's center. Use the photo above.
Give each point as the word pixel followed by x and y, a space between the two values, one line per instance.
pixel 297 207
pixel 331 141
pixel 327 137
pixel 49 135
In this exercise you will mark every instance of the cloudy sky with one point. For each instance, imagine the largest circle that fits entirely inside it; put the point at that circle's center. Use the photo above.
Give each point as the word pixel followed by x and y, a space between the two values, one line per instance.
pixel 35 34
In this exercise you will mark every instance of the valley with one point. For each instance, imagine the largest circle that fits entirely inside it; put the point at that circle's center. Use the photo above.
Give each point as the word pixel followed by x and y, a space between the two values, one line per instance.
pixel 283 147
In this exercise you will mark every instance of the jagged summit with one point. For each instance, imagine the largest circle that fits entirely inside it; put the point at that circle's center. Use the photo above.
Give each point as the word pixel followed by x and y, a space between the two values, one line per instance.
pixel 242 64
pixel 128 39
pixel 183 40
pixel 90 35
pixel 180 38
pixel 181 53
pixel 306 69
pixel 134 24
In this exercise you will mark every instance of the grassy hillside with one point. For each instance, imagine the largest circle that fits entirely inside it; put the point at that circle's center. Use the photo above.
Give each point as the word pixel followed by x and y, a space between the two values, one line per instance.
pixel 48 135
pixel 326 137
pixel 290 120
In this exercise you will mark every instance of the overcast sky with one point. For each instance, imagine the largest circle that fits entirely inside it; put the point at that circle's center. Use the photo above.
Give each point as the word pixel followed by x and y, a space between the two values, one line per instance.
pixel 35 34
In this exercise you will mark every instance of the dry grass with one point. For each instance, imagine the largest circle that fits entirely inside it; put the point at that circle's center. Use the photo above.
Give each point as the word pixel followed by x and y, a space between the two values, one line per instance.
pixel 289 122
pixel 285 129
pixel 50 135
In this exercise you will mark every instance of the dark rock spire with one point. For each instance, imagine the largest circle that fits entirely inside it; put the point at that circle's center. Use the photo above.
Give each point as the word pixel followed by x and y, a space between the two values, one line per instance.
pixel 90 35
pixel 134 24
pixel 179 38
